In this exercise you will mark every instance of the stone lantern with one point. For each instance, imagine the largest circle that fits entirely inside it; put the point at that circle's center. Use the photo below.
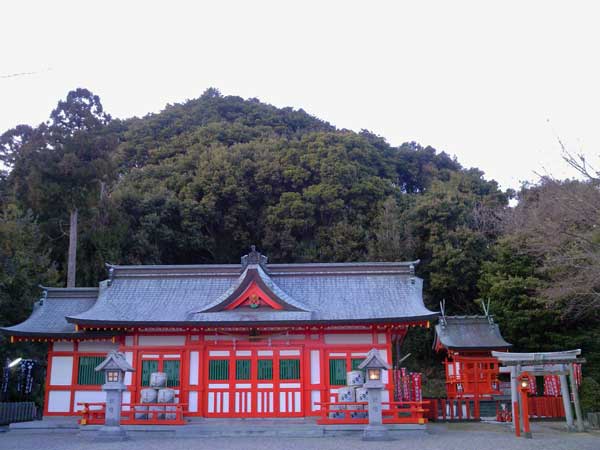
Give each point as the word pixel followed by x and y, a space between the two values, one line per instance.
pixel 114 367
pixel 373 366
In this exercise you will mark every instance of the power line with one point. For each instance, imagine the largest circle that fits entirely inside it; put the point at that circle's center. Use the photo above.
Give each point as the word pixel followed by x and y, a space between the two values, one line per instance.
pixel 20 74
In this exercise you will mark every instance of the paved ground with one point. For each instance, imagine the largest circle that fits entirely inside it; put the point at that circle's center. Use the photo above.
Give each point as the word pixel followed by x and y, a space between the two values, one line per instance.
pixel 547 436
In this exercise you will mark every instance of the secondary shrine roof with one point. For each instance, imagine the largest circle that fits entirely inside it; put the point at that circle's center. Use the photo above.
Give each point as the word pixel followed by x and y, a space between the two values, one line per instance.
pixel 468 333
pixel 49 313
pixel 253 293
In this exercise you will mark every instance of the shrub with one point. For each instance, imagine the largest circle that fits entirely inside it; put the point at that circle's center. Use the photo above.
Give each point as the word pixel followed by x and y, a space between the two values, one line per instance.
pixel 590 395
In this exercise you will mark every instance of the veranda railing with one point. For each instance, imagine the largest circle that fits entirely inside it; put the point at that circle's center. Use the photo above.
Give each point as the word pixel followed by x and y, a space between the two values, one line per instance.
pixel 333 413
pixel 93 413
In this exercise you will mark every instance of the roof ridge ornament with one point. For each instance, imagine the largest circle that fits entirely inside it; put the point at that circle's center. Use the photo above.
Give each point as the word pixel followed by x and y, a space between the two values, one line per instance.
pixel 443 312
pixel 111 273
pixel 254 257
pixel 486 310
pixel 44 296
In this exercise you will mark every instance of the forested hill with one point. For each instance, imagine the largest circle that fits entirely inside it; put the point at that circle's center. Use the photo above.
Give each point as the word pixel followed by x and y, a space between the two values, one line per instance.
pixel 201 181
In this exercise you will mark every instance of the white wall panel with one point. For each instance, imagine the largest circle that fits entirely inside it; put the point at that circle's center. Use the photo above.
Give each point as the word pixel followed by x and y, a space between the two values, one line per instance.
pixel 315 366
pixel 384 373
pixel 194 367
pixel 129 375
pixel 101 346
pixel 159 341
pixel 126 398
pixel 62 371
pixel 284 337
pixel 342 338
pixel 59 401
pixel 62 346
pixel 193 402
pixel 88 396
pixel 315 397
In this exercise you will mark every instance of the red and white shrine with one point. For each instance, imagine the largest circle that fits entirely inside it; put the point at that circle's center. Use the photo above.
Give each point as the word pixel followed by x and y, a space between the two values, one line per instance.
pixel 471 370
pixel 237 340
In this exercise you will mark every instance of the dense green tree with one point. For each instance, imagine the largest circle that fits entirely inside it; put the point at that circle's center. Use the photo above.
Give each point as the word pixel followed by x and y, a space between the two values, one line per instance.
pixel 62 166
pixel 201 181
pixel 450 228
pixel 23 265
pixel 514 284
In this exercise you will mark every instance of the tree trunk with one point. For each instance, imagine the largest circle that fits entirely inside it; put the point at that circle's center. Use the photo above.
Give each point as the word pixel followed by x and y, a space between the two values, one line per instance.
pixel 72 257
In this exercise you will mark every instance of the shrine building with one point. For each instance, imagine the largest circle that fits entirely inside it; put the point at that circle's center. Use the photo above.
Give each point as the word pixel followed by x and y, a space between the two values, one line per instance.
pixel 468 341
pixel 235 340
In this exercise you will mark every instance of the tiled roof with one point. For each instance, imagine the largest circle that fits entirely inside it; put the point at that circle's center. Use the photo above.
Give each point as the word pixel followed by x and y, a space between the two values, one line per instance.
pixel 48 316
pixel 170 295
pixel 469 333
pixel 190 295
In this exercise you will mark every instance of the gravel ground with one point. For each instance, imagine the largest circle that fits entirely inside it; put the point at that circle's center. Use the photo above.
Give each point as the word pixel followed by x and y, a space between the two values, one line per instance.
pixel 439 437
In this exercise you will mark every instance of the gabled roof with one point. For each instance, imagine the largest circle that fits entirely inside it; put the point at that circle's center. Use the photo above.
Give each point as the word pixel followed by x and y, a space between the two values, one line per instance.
pixel 207 295
pixel 48 316
pixel 115 360
pixel 374 359
pixel 468 333
pixel 254 274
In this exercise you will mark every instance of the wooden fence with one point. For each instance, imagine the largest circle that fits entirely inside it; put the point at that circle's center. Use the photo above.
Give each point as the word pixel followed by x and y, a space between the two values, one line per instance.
pixel 337 413
pixel 546 407
pixel 453 409
pixel 135 413
pixel 17 412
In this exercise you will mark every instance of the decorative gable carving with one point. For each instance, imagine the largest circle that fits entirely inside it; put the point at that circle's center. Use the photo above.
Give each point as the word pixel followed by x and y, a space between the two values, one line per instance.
pixel 254 297
pixel 255 289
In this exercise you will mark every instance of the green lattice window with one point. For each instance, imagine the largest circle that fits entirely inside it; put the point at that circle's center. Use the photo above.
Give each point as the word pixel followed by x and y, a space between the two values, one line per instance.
pixel 171 368
pixel 242 369
pixel 86 373
pixel 355 363
pixel 337 372
pixel 265 369
pixel 218 369
pixel 289 369
pixel 148 366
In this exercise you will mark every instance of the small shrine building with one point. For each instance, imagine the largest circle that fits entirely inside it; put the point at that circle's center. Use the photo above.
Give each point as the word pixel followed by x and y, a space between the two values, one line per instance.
pixel 471 370
pixel 236 340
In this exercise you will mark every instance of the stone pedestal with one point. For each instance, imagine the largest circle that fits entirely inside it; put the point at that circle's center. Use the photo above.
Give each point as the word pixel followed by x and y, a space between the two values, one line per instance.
pixel 114 367
pixel 375 431
pixel 111 433
pixel 111 430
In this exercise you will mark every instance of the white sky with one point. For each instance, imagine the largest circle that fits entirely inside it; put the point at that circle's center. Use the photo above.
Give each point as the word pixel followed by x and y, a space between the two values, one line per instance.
pixel 479 80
